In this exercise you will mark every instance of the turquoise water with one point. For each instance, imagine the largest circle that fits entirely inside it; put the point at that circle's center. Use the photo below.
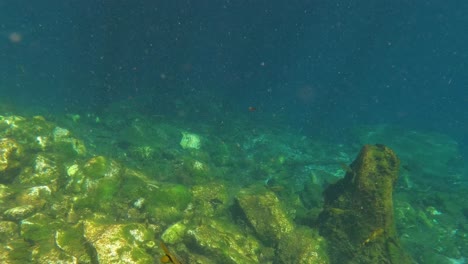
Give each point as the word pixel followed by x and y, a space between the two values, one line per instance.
pixel 128 124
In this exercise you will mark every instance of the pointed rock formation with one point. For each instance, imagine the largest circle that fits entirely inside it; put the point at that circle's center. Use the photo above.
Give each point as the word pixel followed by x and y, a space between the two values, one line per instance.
pixel 357 218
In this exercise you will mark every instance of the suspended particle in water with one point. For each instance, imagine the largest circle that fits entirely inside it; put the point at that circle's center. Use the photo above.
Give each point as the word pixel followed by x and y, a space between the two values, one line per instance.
pixel 15 37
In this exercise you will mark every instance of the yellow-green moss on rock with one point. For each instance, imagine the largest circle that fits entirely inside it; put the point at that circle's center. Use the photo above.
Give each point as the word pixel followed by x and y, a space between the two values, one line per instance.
pixel 303 246
pixel 210 199
pixel 226 243
pixel 264 213
pixel 118 243
pixel 357 218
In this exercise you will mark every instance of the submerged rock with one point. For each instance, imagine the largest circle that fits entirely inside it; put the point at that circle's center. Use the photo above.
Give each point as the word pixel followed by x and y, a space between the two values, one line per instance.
pixel 119 243
pixel 8 230
pixel 19 212
pixel 10 153
pixel 71 242
pixel 174 233
pixel 5 191
pixel 65 143
pixel 357 218
pixel 43 172
pixel 226 243
pixel 302 246
pixel 38 228
pixel 210 199
pixel 264 213
pixel 190 141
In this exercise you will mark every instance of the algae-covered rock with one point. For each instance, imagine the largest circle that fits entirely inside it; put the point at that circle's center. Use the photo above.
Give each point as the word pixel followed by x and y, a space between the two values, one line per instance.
pixel 167 203
pixel 43 172
pixel 51 254
pixel 119 243
pixel 302 246
pixel 5 191
pixel 19 212
pixel 210 199
pixel 164 215
pixel 226 243
pixel 38 227
pixel 264 213
pixel 175 195
pixel 70 240
pixel 195 171
pixel 97 167
pixel 96 184
pixel 174 233
pixel 8 230
pixel 357 218
pixel 190 141
pixel 15 251
pixel 66 144
pixel 36 196
pixel 8 149
pixel 10 154
pixel 41 232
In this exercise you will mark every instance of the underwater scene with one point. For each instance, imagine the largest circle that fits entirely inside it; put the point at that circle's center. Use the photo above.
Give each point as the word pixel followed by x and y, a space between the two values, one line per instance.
pixel 230 131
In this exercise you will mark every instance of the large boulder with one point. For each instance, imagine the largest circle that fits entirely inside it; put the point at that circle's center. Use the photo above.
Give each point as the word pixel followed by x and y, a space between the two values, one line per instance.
pixel 357 218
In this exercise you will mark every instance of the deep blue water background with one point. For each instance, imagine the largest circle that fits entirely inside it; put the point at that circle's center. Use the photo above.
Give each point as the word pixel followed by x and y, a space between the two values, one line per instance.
pixel 326 65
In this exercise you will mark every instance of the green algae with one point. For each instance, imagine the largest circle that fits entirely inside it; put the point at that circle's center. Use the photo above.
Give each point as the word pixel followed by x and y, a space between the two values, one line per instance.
pixel 303 246
pixel 107 194
pixel 265 213
pixel 96 167
pixel 106 190
pixel 70 239
pixel 38 227
pixel 20 251
pixel 173 195
pixel 357 218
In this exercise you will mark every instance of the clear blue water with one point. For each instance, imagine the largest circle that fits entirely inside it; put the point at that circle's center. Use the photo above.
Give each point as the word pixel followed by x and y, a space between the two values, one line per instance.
pixel 328 62
pixel 320 68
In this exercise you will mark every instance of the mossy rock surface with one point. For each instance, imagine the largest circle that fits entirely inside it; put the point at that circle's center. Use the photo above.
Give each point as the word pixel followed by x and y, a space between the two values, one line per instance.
pixel 174 195
pixel 118 243
pixel 210 199
pixel 264 212
pixel 226 243
pixel 97 167
pixel 303 246
pixel 357 218
pixel 38 227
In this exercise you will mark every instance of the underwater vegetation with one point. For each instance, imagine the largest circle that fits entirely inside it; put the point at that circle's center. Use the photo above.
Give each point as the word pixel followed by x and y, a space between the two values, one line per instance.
pixel 358 212
pixel 230 197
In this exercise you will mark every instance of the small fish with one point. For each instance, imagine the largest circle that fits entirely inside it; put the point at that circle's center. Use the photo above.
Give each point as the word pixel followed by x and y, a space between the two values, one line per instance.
pixel 168 257
pixel 215 203
pixel 337 211
pixel 373 236
pixel 252 109
pixel 276 188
